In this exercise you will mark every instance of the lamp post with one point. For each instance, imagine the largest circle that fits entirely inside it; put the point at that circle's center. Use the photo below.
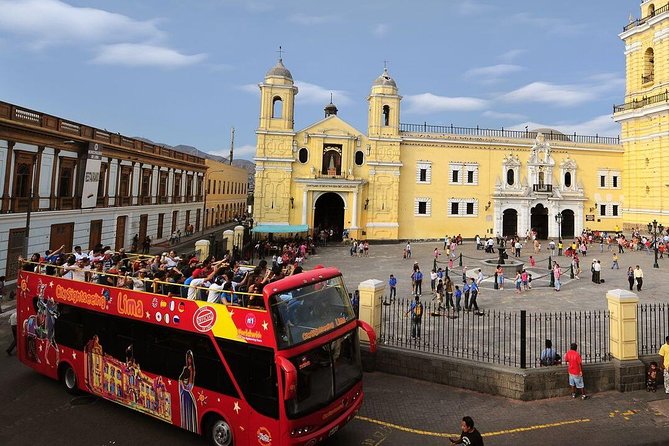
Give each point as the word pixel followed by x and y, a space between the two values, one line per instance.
pixel 655 228
pixel 558 220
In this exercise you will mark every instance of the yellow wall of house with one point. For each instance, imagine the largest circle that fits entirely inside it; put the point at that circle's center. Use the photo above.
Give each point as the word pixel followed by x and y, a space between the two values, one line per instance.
pixel 226 187
pixel 645 120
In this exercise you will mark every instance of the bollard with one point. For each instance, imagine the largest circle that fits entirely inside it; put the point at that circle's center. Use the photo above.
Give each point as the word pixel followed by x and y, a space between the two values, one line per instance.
pixel 434 264
pixel 495 285
pixel 550 263
pixel 571 271
pixel 446 271
pixel 460 259
pixel 552 282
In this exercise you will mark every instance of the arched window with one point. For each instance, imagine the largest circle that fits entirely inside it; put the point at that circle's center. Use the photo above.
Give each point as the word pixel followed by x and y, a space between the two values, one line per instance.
pixel 359 158
pixel 567 179
pixel 277 107
pixel 648 65
pixel 541 179
pixel 386 115
pixel 303 155
pixel 651 10
pixel 510 177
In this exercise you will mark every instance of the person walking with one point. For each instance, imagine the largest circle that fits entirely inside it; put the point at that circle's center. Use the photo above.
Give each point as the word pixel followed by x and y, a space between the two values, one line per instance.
pixel 418 281
pixel 575 370
pixel 416 312
pixel 392 284
pixel 473 294
pixel 664 352
pixel 469 436
pixel 630 277
pixel 615 265
pixel 408 250
pixel 638 276
pixel 12 322
pixel 557 273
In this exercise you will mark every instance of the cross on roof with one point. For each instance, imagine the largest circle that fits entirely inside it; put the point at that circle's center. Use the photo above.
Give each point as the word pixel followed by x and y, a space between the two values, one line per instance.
pixel 280 51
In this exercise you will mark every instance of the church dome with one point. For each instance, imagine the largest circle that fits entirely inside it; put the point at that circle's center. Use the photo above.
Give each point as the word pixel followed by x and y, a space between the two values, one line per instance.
pixel 330 109
pixel 552 134
pixel 279 70
pixel 384 80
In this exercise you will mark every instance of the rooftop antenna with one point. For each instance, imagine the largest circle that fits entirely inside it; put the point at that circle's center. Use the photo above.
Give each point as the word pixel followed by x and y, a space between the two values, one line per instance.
pixel 330 97
pixel 232 142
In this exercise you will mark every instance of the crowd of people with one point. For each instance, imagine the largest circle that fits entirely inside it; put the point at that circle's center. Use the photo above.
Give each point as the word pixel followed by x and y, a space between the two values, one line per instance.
pixel 225 281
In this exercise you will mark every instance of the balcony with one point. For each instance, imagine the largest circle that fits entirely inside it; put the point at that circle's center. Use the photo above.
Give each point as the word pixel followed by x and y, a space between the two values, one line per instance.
pixel 542 188
pixel 647 78
pixel 641 21
pixel 640 103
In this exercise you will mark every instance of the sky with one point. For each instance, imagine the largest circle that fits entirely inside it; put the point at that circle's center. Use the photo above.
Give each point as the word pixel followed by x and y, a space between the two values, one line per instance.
pixel 186 71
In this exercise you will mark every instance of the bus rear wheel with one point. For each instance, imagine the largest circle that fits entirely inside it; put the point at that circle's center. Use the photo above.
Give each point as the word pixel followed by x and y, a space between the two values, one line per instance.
pixel 219 432
pixel 69 377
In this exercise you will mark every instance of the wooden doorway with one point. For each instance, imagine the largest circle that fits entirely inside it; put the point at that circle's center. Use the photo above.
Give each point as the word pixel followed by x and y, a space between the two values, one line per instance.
pixel 143 223
pixel 62 234
pixel 120 232
pixel 95 235
pixel 175 216
pixel 161 222
pixel 15 248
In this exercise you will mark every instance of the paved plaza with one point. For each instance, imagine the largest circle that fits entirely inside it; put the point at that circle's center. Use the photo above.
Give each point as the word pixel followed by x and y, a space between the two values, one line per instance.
pixel 576 294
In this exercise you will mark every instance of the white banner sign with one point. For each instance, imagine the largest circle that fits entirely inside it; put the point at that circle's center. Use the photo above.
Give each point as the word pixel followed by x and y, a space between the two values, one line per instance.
pixel 89 196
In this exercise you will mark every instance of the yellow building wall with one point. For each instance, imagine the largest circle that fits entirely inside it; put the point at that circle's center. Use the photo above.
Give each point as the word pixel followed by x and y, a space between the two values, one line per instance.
pixel 226 188
pixel 645 119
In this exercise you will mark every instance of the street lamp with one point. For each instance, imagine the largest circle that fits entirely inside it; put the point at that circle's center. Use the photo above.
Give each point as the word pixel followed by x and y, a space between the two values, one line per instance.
pixel 558 220
pixel 655 228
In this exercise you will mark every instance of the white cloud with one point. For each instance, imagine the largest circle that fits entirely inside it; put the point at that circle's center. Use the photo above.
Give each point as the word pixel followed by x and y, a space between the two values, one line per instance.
pixel 246 152
pixel 493 73
pixel 603 125
pixel 381 29
pixel 502 115
pixel 548 25
pixel 250 88
pixel 545 92
pixel 471 7
pixel 50 22
pixel 315 94
pixel 136 54
pixel 309 20
pixel 511 55
pixel 426 103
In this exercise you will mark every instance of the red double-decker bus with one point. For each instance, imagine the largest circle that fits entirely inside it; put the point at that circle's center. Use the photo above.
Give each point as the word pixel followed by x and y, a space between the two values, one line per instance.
pixel 286 374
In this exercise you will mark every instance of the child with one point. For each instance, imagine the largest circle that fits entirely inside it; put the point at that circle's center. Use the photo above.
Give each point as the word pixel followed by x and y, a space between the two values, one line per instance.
pixel 651 377
pixel 458 297
pixel 533 262
pixel 525 279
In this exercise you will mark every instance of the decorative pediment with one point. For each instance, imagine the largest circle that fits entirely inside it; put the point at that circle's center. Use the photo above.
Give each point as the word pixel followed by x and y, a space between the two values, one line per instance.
pixel 511 161
pixel 568 164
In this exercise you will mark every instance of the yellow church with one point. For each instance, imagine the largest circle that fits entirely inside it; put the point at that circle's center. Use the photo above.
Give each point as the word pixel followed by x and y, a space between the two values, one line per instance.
pixel 398 181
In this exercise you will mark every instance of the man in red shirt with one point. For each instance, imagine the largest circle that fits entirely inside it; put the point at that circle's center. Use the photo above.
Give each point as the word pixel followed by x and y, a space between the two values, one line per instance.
pixel 574 361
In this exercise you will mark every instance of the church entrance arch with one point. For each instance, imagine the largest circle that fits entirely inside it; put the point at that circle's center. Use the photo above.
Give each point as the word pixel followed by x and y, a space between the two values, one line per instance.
pixel 510 222
pixel 567 224
pixel 329 214
pixel 539 221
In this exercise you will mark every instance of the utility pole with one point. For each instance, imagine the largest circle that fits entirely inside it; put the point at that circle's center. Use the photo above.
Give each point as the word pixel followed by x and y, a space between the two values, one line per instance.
pixel 232 143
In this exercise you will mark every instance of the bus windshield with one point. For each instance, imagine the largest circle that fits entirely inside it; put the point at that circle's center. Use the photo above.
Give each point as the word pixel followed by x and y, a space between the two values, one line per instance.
pixel 305 313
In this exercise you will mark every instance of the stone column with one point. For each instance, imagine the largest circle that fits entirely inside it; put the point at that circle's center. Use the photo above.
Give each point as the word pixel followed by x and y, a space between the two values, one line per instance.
pixel 371 295
pixel 623 342
pixel 202 249
pixel 239 237
pixel 9 174
pixel 229 235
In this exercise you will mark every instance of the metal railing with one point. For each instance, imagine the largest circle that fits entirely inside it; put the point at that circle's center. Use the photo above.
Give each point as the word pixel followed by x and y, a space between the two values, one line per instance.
pixel 542 188
pixel 644 101
pixel 641 21
pixel 511 338
pixel 502 133
pixel 652 326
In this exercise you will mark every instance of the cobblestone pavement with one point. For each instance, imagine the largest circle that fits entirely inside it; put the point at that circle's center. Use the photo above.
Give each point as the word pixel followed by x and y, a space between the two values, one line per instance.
pixel 576 294
pixel 403 411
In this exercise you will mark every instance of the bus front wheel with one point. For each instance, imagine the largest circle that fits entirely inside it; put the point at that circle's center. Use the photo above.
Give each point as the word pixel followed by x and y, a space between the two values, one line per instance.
pixel 69 377
pixel 219 432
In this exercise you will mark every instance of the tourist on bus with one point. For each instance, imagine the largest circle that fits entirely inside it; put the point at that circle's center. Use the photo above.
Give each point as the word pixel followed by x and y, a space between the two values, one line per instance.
pixel 200 279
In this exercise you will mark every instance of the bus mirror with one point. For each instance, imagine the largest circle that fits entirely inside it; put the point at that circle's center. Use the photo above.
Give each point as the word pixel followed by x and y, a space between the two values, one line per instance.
pixel 370 334
pixel 289 378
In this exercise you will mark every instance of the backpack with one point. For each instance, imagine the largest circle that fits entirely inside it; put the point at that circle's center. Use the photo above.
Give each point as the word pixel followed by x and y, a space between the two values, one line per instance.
pixel 419 275
pixel 418 310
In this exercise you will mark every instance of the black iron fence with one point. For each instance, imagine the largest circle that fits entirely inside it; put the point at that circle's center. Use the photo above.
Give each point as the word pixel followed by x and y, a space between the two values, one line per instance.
pixel 512 338
pixel 652 326
pixel 503 133
pixel 642 102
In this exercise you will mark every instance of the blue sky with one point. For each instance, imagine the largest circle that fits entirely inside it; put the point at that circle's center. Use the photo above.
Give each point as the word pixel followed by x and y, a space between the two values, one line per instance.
pixel 185 71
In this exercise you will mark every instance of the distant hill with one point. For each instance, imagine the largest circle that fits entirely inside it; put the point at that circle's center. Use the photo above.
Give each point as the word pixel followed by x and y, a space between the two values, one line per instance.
pixel 244 164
